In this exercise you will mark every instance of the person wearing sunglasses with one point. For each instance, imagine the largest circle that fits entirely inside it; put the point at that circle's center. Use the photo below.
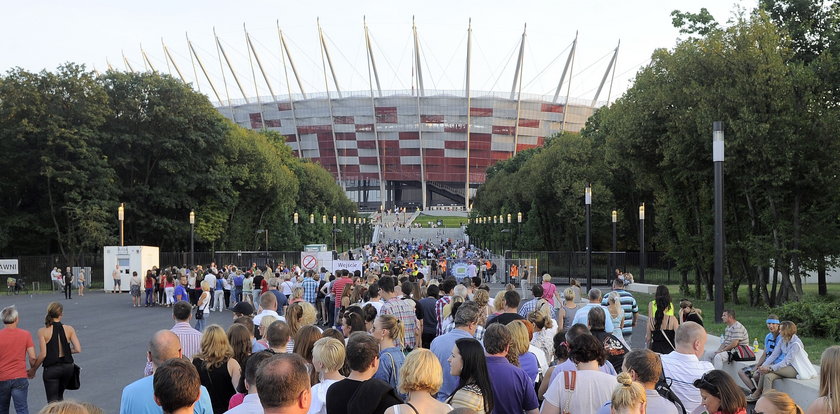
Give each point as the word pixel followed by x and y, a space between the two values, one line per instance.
pixel 720 394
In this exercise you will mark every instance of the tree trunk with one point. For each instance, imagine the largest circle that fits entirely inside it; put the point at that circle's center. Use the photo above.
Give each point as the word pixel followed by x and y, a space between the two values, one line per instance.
pixel 684 282
pixel 772 294
pixel 795 262
pixel 822 289
pixel 697 278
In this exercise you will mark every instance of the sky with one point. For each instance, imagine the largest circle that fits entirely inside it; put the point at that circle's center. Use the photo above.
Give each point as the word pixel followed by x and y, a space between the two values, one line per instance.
pixel 44 34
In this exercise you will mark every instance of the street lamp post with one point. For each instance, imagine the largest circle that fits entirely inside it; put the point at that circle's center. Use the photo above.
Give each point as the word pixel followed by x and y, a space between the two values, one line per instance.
pixel 333 231
pixel 587 199
pixel 121 217
pixel 613 261
pixel 510 235
pixel 717 157
pixel 192 237
pixel 295 218
pixel 519 230
pixel 642 257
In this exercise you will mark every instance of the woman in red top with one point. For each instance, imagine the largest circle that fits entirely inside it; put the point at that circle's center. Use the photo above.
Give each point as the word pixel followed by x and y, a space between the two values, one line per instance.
pixel 150 287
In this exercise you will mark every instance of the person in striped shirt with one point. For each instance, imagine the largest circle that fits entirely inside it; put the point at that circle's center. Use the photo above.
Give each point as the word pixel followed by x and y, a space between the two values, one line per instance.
pixel 190 338
pixel 445 287
pixel 628 304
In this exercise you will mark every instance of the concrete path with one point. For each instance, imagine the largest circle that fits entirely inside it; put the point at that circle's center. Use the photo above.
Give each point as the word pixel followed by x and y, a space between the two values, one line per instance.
pixel 114 338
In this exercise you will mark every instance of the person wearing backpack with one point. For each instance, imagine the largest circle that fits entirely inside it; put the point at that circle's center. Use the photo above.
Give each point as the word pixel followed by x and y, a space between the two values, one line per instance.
pixel 644 367
pixel 683 366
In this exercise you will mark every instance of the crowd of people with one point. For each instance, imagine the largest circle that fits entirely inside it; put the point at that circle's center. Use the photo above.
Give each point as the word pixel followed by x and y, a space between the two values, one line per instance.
pixel 403 336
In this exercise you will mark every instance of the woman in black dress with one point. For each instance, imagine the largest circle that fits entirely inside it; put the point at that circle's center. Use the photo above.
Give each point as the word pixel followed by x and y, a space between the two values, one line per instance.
pixel 57 343
pixel 218 369
pixel 662 328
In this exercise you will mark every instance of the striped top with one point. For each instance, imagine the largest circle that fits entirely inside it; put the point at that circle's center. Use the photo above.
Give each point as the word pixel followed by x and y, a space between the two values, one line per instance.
pixel 190 338
pixel 629 305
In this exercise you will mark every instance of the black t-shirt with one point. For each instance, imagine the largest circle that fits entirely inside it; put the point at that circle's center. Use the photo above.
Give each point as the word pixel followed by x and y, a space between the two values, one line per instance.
pixel 258 281
pixel 504 318
pixel 427 314
pixel 340 394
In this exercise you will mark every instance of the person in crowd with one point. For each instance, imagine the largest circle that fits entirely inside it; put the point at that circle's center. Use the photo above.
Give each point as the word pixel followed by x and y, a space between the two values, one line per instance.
pixel 241 309
pixel 734 335
pixel 466 324
pixel 828 401
pixel 176 386
pixel 296 321
pixel 750 373
pixel 662 328
pixel 689 313
pixel 169 289
pixel 180 292
pixel 283 385
pixel 248 288
pixel 250 402
pixel 304 344
pixel 352 321
pixel 149 285
pixel 584 390
pixel 569 365
pixel 629 397
pixel 575 286
pixel 684 366
pixel 544 331
pixel 134 289
pixel 561 355
pixel 582 315
pixel 402 310
pixel 262 329
pixel 278 335
pixel 268 306
pixel 530 359
pixel 420 379
pixel 446 288
pixel 310 287
pixel 449 312
pixel 428 317
pixel 248 323
pixel 189 338
pixel 549 289
pixel 644 367
pixel 537 303
pixel 567 310
pixel 57 343
pixel 481 297
pixel 66 407
pixel 720 394
pixel 17 348
pixel 327 359
pixel 510 311
pixel 626 303
pixel 616 315
pixel 387 329
pixel 138 397
pixel 360 392
pixel 337 291
pixel 240 341
pixel 776 402
pixel 615 349
pixel 788 360
pixel 69 279
pixel 468 363
pixel 203 306
pixel 513 391
pixel 218 369
pixel 82 280
pixel 663 295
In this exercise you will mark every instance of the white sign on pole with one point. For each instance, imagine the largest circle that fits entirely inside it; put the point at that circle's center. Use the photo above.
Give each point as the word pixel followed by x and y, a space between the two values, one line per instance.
pixel 315 260
pixel 8 266
pixel 351 265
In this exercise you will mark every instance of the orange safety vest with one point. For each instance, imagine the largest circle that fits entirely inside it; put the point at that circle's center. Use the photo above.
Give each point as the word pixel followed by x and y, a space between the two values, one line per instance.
pixel 443 265
pixel 514 270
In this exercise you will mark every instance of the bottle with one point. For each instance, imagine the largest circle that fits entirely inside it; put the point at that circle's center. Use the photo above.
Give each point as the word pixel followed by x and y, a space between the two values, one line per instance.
pixel 755 345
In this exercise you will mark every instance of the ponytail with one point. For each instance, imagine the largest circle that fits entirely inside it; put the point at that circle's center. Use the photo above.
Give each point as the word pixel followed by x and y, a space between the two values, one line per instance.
pixel 54 310
pixel 395 328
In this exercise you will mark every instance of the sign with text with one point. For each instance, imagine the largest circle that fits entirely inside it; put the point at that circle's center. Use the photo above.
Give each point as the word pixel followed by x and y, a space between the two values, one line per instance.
pixel 8 266
pixel 351 265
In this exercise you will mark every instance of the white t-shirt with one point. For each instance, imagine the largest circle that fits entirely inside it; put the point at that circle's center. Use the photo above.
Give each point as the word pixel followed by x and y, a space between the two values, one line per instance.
pixel 319 397
pixel 592 390
pixel 684 370
pixel 287 287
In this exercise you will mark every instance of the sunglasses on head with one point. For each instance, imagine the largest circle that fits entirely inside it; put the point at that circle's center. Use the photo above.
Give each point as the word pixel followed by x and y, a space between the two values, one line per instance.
pixel 704 383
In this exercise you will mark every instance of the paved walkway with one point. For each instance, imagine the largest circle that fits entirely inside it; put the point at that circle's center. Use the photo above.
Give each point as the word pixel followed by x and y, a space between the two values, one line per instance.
pixel 114 338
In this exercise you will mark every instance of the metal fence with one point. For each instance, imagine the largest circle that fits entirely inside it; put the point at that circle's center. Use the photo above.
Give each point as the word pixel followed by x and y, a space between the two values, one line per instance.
pixel 37 268
pixel 564 266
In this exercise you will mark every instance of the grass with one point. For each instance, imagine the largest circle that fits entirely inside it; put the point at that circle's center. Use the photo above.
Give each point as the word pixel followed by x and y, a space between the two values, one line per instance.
pixel 448 221
pixel 752 317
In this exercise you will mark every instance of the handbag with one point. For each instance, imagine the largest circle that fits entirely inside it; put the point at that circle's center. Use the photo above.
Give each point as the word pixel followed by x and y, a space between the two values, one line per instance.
pixel 742 353
pixel 74 383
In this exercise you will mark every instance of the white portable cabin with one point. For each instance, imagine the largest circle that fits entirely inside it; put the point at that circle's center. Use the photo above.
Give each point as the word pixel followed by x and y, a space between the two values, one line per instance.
pixel 130 259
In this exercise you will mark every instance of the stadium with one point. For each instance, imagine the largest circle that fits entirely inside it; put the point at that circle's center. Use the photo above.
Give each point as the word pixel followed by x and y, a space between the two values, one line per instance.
pixel 411 148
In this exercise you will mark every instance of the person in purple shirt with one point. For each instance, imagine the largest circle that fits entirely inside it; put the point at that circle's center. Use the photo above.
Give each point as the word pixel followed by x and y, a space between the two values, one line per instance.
pixel 513 391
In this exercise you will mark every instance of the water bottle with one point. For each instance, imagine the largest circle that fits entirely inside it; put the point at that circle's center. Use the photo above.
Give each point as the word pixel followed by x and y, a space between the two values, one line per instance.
pixel 755 345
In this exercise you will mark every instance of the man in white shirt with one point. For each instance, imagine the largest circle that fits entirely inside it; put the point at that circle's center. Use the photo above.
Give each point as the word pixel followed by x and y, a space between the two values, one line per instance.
pixel 375 300
pixel 251 403
pixel 683 366
pixel 268 306
pixel 210 278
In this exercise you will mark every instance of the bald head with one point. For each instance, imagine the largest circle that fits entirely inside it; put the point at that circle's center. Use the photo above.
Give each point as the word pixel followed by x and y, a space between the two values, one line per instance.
pixel 164 345
pixel 690 338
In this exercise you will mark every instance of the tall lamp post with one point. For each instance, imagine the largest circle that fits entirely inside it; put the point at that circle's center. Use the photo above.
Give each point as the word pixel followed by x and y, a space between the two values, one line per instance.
pixel 333 231
pixel 121 217
pixel 642 257
pixel 717 157
pixel 295 218
pixel 519 230
pixel 587 199
pixel 192 237
pixel 613 261
pixel 510 235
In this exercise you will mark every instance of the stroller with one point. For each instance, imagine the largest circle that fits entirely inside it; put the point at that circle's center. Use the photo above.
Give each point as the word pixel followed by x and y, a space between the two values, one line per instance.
pixel 14 285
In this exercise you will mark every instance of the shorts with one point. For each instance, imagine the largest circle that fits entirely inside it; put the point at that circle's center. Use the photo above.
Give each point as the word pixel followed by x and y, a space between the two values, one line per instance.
pixel 117 282
pixel 135 290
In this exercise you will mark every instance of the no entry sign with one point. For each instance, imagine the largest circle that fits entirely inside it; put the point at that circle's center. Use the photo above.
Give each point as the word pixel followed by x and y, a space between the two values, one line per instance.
pixel 309 262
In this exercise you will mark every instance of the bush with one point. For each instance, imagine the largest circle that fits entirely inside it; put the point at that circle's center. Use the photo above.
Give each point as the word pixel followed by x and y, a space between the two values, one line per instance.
pixel 813 318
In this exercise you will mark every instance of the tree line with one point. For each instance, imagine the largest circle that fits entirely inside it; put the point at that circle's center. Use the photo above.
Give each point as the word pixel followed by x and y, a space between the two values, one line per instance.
pixel 772 75
pixel 76 144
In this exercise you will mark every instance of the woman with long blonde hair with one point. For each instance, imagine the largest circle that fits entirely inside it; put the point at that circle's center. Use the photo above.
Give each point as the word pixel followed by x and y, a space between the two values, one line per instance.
pixel 829 392
pixel 567 310
pixel 777 402
pixel 218 369
pixel 389 330
pixel 616 315
pixel 421 378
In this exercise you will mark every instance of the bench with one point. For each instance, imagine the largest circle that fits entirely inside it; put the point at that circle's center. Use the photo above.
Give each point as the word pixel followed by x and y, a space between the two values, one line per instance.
pixel 803 392
pixel 646 288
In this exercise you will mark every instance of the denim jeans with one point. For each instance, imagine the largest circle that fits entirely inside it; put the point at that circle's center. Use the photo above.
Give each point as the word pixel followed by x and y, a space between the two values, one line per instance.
pixel 14 389
pixel 201 323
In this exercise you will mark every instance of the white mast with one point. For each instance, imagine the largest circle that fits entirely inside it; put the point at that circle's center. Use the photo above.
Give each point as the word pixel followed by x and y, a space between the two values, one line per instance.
pixel 566 69
pixel 519 70
pixel 291 62
pixel 289 89
pixel 420 92
pixel 606 73
pixel 329 60
pixel 372 68
pixel 254 76
pixel 332 117
pixel 232 72
pixel 175 65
